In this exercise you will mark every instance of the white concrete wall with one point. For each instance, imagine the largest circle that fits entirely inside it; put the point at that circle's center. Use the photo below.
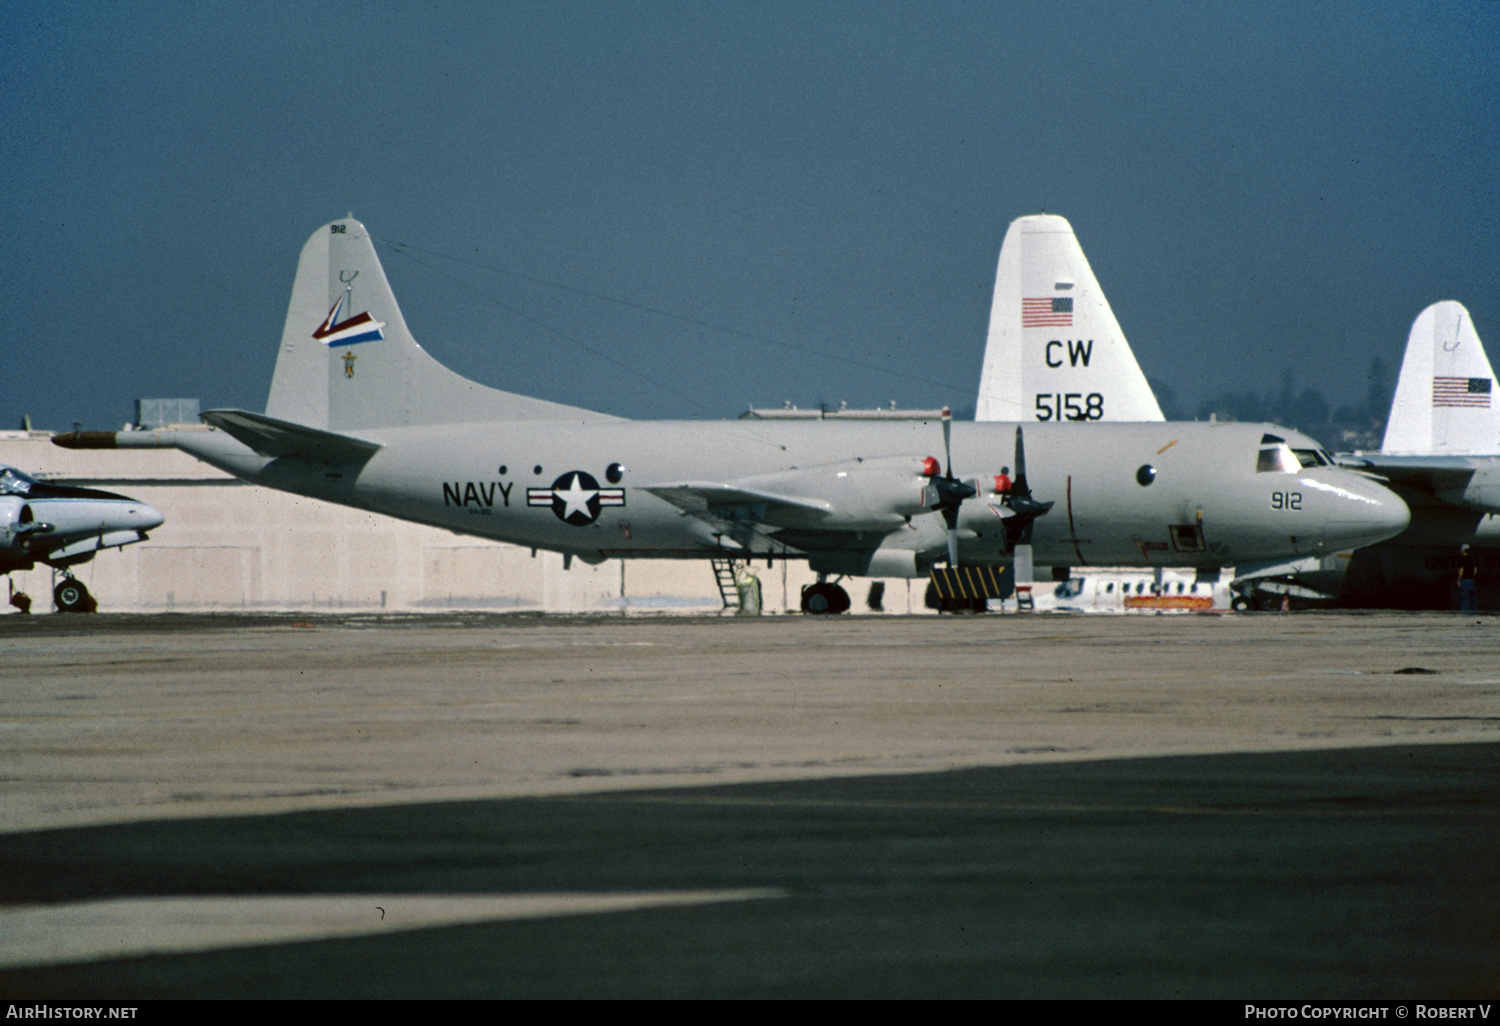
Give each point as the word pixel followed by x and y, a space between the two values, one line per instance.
pixel 227 545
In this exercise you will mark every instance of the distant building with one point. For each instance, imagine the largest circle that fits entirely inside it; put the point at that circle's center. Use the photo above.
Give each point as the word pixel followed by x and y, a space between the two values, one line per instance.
pixel 157 413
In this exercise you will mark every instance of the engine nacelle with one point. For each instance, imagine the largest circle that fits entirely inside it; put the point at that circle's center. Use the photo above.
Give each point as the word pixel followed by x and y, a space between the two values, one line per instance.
pixel 874 494
pixel 18 525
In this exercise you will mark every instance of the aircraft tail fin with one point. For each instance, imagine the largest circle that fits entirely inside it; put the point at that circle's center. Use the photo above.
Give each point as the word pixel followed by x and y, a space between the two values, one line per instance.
pixel 347 361
pixel 1445 400
pixel 1055 350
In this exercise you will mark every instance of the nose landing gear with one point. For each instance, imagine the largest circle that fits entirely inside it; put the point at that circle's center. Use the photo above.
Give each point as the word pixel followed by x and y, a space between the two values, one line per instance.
pixel 72 597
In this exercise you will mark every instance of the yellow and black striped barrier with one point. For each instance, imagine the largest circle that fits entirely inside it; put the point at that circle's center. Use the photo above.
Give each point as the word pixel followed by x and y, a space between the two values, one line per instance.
pixel 972 582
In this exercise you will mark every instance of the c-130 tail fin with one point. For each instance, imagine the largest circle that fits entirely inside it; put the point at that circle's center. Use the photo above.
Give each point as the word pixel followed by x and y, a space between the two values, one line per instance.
pixel 1055 350
pixel 1445 402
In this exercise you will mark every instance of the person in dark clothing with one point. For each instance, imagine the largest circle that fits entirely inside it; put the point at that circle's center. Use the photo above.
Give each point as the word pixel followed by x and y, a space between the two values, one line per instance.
pixel 1468 574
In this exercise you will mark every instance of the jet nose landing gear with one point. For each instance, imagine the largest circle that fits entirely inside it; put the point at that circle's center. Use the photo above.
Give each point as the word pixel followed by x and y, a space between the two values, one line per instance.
pixel 72 597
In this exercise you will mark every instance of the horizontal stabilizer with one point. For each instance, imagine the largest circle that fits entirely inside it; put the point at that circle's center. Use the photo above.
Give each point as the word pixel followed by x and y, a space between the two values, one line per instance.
pixel 278 438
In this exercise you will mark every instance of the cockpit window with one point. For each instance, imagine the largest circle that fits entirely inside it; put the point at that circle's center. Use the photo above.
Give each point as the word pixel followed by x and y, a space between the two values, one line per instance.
pixel 1313 458
pixel 13 482
pixel 1277 458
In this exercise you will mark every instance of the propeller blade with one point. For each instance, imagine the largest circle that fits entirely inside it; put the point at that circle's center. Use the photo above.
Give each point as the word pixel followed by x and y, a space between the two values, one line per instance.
pixel 1019 487
pixel 1024 510
pixel 948 440
pixel 1027 510
pixel 947 492
pixel 950 517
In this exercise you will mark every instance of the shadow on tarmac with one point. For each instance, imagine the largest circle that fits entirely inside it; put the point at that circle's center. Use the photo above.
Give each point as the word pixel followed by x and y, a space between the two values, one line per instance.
pixel 1365 873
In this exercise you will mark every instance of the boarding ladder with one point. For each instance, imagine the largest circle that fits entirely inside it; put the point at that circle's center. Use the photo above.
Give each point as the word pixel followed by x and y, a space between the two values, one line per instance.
pixel 728 586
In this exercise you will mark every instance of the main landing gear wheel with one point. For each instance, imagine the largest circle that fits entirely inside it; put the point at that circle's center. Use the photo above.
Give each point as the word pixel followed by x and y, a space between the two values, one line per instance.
pixel 72 597
pixel 824 598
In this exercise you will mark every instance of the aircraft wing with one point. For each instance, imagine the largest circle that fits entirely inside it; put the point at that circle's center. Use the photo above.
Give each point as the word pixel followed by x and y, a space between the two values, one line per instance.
pixel 1420 473
pixel 1471 481
pixel 725 503
pixel 276 438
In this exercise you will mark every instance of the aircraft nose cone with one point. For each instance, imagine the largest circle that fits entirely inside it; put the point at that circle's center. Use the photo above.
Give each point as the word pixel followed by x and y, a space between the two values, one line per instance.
pixel 147 517
pixel 1364 512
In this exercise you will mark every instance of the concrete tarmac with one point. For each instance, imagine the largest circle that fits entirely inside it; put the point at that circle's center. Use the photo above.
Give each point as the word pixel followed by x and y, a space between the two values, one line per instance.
pixel 1298 806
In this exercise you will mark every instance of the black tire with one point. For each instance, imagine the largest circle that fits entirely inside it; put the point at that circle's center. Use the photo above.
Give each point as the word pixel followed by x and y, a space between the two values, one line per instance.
pixel 824 599
pixel 72 597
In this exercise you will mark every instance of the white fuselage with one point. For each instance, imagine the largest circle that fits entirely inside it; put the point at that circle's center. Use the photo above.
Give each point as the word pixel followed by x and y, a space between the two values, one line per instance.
pixel 595 490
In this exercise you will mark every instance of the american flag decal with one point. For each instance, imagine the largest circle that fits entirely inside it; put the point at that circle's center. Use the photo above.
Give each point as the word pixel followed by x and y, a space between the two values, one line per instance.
pixel 1470 392
pixel 1047 312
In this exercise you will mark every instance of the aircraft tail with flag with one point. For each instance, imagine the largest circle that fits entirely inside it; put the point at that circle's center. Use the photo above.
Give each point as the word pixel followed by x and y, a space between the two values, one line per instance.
pixel 1055 350
pixel 347 361
pixel 1445 401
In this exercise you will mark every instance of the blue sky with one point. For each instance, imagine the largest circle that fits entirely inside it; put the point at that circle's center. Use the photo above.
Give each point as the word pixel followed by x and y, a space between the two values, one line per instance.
pixel 680 209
